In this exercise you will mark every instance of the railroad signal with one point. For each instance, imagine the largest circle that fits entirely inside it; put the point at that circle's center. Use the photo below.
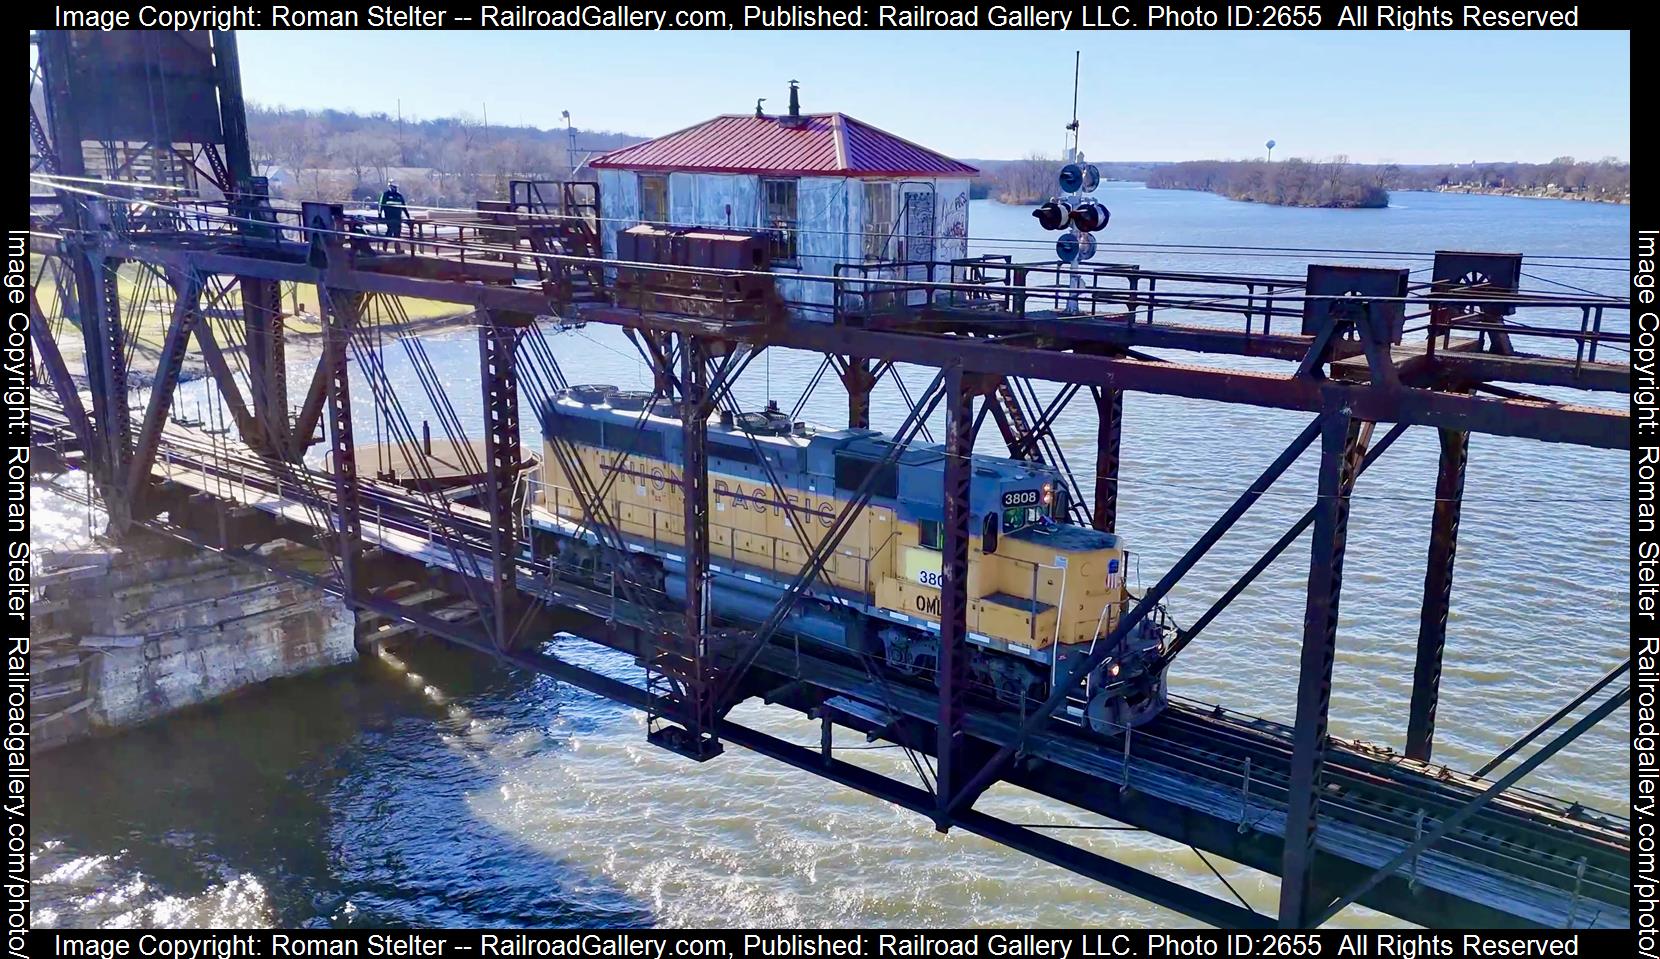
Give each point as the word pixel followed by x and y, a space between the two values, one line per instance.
pixel 1075 212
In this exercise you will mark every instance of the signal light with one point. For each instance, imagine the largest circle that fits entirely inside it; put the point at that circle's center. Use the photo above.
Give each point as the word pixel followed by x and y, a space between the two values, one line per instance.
pixel 1058 214
pixel 1090 216
pixel 1054 214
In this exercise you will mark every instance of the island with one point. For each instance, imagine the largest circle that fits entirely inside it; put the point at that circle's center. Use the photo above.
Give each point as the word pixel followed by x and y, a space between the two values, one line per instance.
pixel 1332 185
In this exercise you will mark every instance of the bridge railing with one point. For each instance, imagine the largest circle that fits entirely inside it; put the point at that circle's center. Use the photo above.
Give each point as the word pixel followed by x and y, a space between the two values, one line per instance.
pixel 1583 325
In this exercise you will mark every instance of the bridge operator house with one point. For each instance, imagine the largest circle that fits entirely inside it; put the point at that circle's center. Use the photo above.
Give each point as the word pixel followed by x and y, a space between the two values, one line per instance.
pixel 827 188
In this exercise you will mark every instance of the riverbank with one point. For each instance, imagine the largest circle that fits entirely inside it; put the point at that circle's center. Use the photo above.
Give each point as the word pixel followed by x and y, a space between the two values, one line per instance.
pixel 1529 194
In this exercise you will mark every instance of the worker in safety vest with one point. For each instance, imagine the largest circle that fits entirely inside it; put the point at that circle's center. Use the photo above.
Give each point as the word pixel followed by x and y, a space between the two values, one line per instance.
pixel 392 207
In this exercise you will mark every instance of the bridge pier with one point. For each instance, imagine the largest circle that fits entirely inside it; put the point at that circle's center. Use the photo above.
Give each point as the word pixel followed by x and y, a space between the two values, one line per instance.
pixel 127 635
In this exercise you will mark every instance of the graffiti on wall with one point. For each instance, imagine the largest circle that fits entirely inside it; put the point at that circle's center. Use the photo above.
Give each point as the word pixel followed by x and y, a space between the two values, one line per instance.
pixel 954 226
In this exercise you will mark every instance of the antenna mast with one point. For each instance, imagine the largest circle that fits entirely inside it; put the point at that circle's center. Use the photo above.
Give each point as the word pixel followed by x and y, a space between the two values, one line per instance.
pixel 1077 64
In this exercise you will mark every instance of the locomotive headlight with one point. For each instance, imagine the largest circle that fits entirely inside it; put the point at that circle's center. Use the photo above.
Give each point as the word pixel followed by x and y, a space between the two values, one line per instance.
pixel 1113 669
pixel 1048 494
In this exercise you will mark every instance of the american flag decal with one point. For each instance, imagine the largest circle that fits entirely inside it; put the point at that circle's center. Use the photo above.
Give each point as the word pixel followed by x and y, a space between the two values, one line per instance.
pixel 1115 574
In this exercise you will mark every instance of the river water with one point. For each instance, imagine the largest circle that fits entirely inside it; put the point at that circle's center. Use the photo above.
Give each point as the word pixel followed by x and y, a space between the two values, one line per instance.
pixel 441 790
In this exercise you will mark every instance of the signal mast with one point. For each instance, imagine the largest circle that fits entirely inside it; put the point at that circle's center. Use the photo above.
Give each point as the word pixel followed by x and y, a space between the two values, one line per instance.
pixel 1073 210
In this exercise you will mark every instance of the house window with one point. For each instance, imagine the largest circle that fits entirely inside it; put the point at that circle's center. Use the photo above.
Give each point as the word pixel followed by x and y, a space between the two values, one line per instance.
pixel 780 218
pixel 879 221
pixel 654 199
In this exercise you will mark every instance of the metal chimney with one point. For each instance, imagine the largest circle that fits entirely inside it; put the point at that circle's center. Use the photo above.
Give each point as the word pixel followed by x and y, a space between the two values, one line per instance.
pixel 795 100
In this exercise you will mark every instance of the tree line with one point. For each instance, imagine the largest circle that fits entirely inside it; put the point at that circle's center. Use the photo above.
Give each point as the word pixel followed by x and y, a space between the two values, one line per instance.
pixel 1294 182
pixel 1607 179
pixel 1331 183
pixel 452 161
pixel 1033 179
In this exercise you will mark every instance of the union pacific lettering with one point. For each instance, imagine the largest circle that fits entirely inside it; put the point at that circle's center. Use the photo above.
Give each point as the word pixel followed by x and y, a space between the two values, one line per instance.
pixel 761 500
pixel 757 498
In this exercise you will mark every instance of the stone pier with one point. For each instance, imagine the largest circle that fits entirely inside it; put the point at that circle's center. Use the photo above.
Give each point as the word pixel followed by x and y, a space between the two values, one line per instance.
pixel 129 634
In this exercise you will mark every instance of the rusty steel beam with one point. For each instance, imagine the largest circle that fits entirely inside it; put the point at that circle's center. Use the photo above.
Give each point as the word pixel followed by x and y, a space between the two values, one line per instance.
pixel 104 358
pixel 696 401
pixel 1343 441
pixel 233 115
pixel 310 413
pixel 859 380
pixel 1109 435
pixel 229 390
pixel 1581 425
pixel 1438 581
pixel 498 343
pixel 187 313
pixel 262 323
pixel 952 672
pixel 46 350
pixel 341 312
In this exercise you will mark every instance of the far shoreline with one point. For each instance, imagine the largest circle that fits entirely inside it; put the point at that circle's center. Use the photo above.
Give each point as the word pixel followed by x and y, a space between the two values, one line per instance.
pixel 1292 206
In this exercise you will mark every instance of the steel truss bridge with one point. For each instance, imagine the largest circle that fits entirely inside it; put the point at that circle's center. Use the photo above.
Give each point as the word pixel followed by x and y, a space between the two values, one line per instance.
pixel 1339 822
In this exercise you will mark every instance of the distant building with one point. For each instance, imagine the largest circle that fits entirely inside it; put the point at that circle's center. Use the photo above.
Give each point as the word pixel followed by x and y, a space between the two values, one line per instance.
pixel 834 189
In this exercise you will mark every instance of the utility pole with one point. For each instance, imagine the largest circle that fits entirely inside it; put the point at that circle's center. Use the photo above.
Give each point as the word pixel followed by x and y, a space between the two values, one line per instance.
pixel 570 140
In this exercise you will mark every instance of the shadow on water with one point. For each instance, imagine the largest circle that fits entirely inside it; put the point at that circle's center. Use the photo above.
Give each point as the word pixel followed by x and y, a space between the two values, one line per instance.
pixel 333 800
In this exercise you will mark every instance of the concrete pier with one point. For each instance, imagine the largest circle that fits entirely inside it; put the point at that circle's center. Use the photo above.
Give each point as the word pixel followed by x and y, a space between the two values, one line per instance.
pixel 130 634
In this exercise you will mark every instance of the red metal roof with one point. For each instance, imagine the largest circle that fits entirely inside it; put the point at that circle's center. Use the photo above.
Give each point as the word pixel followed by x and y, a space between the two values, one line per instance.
pixel 815 144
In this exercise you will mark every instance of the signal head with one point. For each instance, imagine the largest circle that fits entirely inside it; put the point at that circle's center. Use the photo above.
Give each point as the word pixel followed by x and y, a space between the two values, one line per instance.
pixel 1090 216
pixel 1066 248
pixel 1054 214
pixel 1071 178
pixel 1092 178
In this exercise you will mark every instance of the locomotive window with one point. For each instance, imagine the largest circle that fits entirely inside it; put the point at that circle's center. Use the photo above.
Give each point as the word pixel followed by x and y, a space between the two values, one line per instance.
pixel 931 534
pixel 632 441
pixel 1020 517
pixel 852 470
pixel 654 199
pixel 577 430
pixel 736 454
pixel 988 535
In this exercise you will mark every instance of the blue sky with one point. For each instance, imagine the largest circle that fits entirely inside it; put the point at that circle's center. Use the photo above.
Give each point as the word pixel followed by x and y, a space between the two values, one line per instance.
pixel 1377 96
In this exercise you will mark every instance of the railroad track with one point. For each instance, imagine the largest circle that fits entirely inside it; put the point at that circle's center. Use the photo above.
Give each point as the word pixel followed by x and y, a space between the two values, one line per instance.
pixel 1522 834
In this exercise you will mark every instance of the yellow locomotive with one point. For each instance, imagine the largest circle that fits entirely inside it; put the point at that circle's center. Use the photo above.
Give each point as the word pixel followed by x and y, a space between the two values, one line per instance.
pixel 1040 591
